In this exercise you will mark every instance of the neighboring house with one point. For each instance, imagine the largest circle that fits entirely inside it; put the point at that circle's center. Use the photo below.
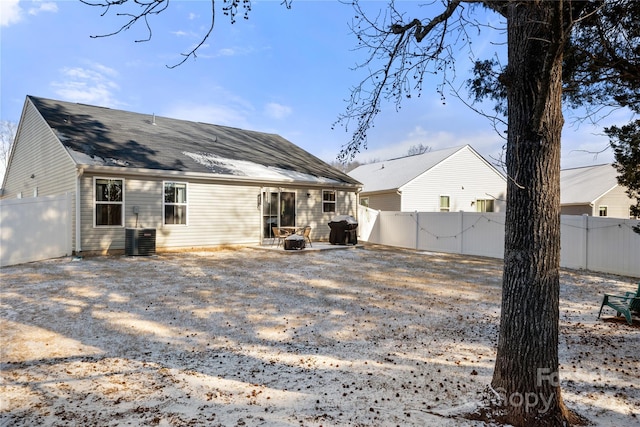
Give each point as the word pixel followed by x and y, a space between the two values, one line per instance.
pixel 199 185
pixel 594 191
pixel 453 179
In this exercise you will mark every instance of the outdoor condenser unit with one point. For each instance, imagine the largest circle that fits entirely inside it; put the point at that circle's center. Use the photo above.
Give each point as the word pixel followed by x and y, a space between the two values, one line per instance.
pixel 140 241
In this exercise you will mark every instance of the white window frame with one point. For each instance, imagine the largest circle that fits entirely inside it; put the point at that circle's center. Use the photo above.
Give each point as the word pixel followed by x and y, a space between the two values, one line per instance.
pixel 334 201
pixel 606 210
pixel 448 208
pixel 101 202
pixel 483 202
pixel 185 204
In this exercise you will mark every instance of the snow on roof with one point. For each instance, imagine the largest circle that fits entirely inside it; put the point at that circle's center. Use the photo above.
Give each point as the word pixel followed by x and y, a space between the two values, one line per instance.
pixel 217 165
pixel 86 159
pixel 586 184
pixel 220 165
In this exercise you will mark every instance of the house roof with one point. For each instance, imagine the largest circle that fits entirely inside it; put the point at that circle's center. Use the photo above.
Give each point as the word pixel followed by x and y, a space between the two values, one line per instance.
pixel 101 136
pixel 587 184
pixel 392 174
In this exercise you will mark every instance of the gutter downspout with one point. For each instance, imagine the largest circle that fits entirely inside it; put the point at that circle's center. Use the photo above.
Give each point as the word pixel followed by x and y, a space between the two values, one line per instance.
pixel 78 245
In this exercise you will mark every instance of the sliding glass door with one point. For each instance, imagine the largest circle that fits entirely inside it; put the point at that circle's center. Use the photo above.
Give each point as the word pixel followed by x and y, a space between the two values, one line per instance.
pixel 278 210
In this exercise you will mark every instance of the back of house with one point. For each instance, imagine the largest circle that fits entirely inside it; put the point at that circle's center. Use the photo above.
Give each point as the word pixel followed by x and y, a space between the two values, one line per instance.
pixel 197 185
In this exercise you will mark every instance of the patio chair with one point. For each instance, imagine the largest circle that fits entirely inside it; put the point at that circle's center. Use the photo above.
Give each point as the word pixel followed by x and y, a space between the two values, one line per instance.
pixel 279 234
pixel 623 304
pixel 306 233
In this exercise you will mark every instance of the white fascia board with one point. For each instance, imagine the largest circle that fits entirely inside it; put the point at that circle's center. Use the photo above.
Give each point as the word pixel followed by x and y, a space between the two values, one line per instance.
pixel 603 194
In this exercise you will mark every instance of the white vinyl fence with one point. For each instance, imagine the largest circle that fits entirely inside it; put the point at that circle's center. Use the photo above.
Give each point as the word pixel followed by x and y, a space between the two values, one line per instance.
pixel 606 245
pixel 34 229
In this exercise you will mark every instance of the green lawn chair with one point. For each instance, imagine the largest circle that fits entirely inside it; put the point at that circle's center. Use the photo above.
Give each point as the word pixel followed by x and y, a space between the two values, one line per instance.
pixel 623 304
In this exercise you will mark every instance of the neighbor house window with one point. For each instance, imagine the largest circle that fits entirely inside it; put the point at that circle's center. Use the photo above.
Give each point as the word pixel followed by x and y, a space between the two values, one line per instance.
pixel 364 201
pixel 109 201
pixel 328 201
pixel 484 205
pixel 175 203
pixel 444 204
pixel 602 211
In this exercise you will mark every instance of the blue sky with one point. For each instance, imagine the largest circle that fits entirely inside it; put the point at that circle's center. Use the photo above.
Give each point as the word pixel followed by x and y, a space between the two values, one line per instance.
pixel 283 71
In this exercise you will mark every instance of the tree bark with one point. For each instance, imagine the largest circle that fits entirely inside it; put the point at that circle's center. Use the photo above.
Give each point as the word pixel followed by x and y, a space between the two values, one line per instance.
pixel 526 370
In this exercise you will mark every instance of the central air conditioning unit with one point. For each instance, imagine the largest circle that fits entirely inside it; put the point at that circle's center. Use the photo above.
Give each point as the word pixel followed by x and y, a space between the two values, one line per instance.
pixel 140 241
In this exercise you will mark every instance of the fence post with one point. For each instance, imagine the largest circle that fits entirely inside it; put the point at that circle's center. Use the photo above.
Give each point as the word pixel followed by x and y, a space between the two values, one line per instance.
pixel 461 251
pixel 417 228
pixel 585 239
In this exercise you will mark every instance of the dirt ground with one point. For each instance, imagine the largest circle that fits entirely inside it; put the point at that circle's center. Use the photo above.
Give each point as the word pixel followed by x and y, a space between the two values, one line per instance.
pixel 356 337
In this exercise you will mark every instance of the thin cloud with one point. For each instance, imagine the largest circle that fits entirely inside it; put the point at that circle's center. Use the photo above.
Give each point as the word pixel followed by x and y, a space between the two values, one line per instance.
pixel 94 84
pixel 277 111
pixel 226 52
pixel 233 51
pixel 180 33
pixel 11 11
pixel 484 142
pixel 228 110
pixel 43 7
pixel 218 114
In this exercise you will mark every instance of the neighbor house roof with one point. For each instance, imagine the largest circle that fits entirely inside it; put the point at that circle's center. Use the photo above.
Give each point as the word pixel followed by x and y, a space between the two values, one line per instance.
pixel 587 184
pixel 393 174
pixel 99 136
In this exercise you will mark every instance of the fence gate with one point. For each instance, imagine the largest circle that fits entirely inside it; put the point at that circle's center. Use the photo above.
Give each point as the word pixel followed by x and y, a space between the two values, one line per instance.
pixel 34 229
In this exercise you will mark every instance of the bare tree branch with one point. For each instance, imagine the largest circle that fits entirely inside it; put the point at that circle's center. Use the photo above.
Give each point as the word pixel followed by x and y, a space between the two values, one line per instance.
pixel 204 39
pixel 409 52
pixel 144 9
pixel 148 7
pixel 8 132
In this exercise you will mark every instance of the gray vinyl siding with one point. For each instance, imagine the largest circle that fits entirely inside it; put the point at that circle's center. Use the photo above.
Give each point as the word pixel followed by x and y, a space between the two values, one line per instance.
pixel 576 210
pixel 37 152
pixel 617 203
pixel 464 177
pixel 390 201
pixel 218 213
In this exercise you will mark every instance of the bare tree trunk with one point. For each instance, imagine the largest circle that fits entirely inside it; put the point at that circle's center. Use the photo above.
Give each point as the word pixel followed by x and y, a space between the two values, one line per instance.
pixel 526 370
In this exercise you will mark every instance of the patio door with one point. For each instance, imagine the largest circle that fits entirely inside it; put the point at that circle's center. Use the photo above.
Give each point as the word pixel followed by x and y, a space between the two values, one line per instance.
pixel 278 210
pixel 287 209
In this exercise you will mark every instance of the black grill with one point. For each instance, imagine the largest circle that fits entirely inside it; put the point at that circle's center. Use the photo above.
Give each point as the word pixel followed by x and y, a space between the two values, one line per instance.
pixel 344 230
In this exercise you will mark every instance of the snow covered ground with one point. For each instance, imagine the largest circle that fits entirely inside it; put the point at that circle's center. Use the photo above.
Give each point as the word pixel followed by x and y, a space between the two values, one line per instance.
pixel 360 337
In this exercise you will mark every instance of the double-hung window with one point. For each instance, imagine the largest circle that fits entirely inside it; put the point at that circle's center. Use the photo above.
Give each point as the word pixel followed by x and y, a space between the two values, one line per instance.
pixel 328 201
pixel 444 204
pixel 484 205
pixel 175 203
pixel 109 201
